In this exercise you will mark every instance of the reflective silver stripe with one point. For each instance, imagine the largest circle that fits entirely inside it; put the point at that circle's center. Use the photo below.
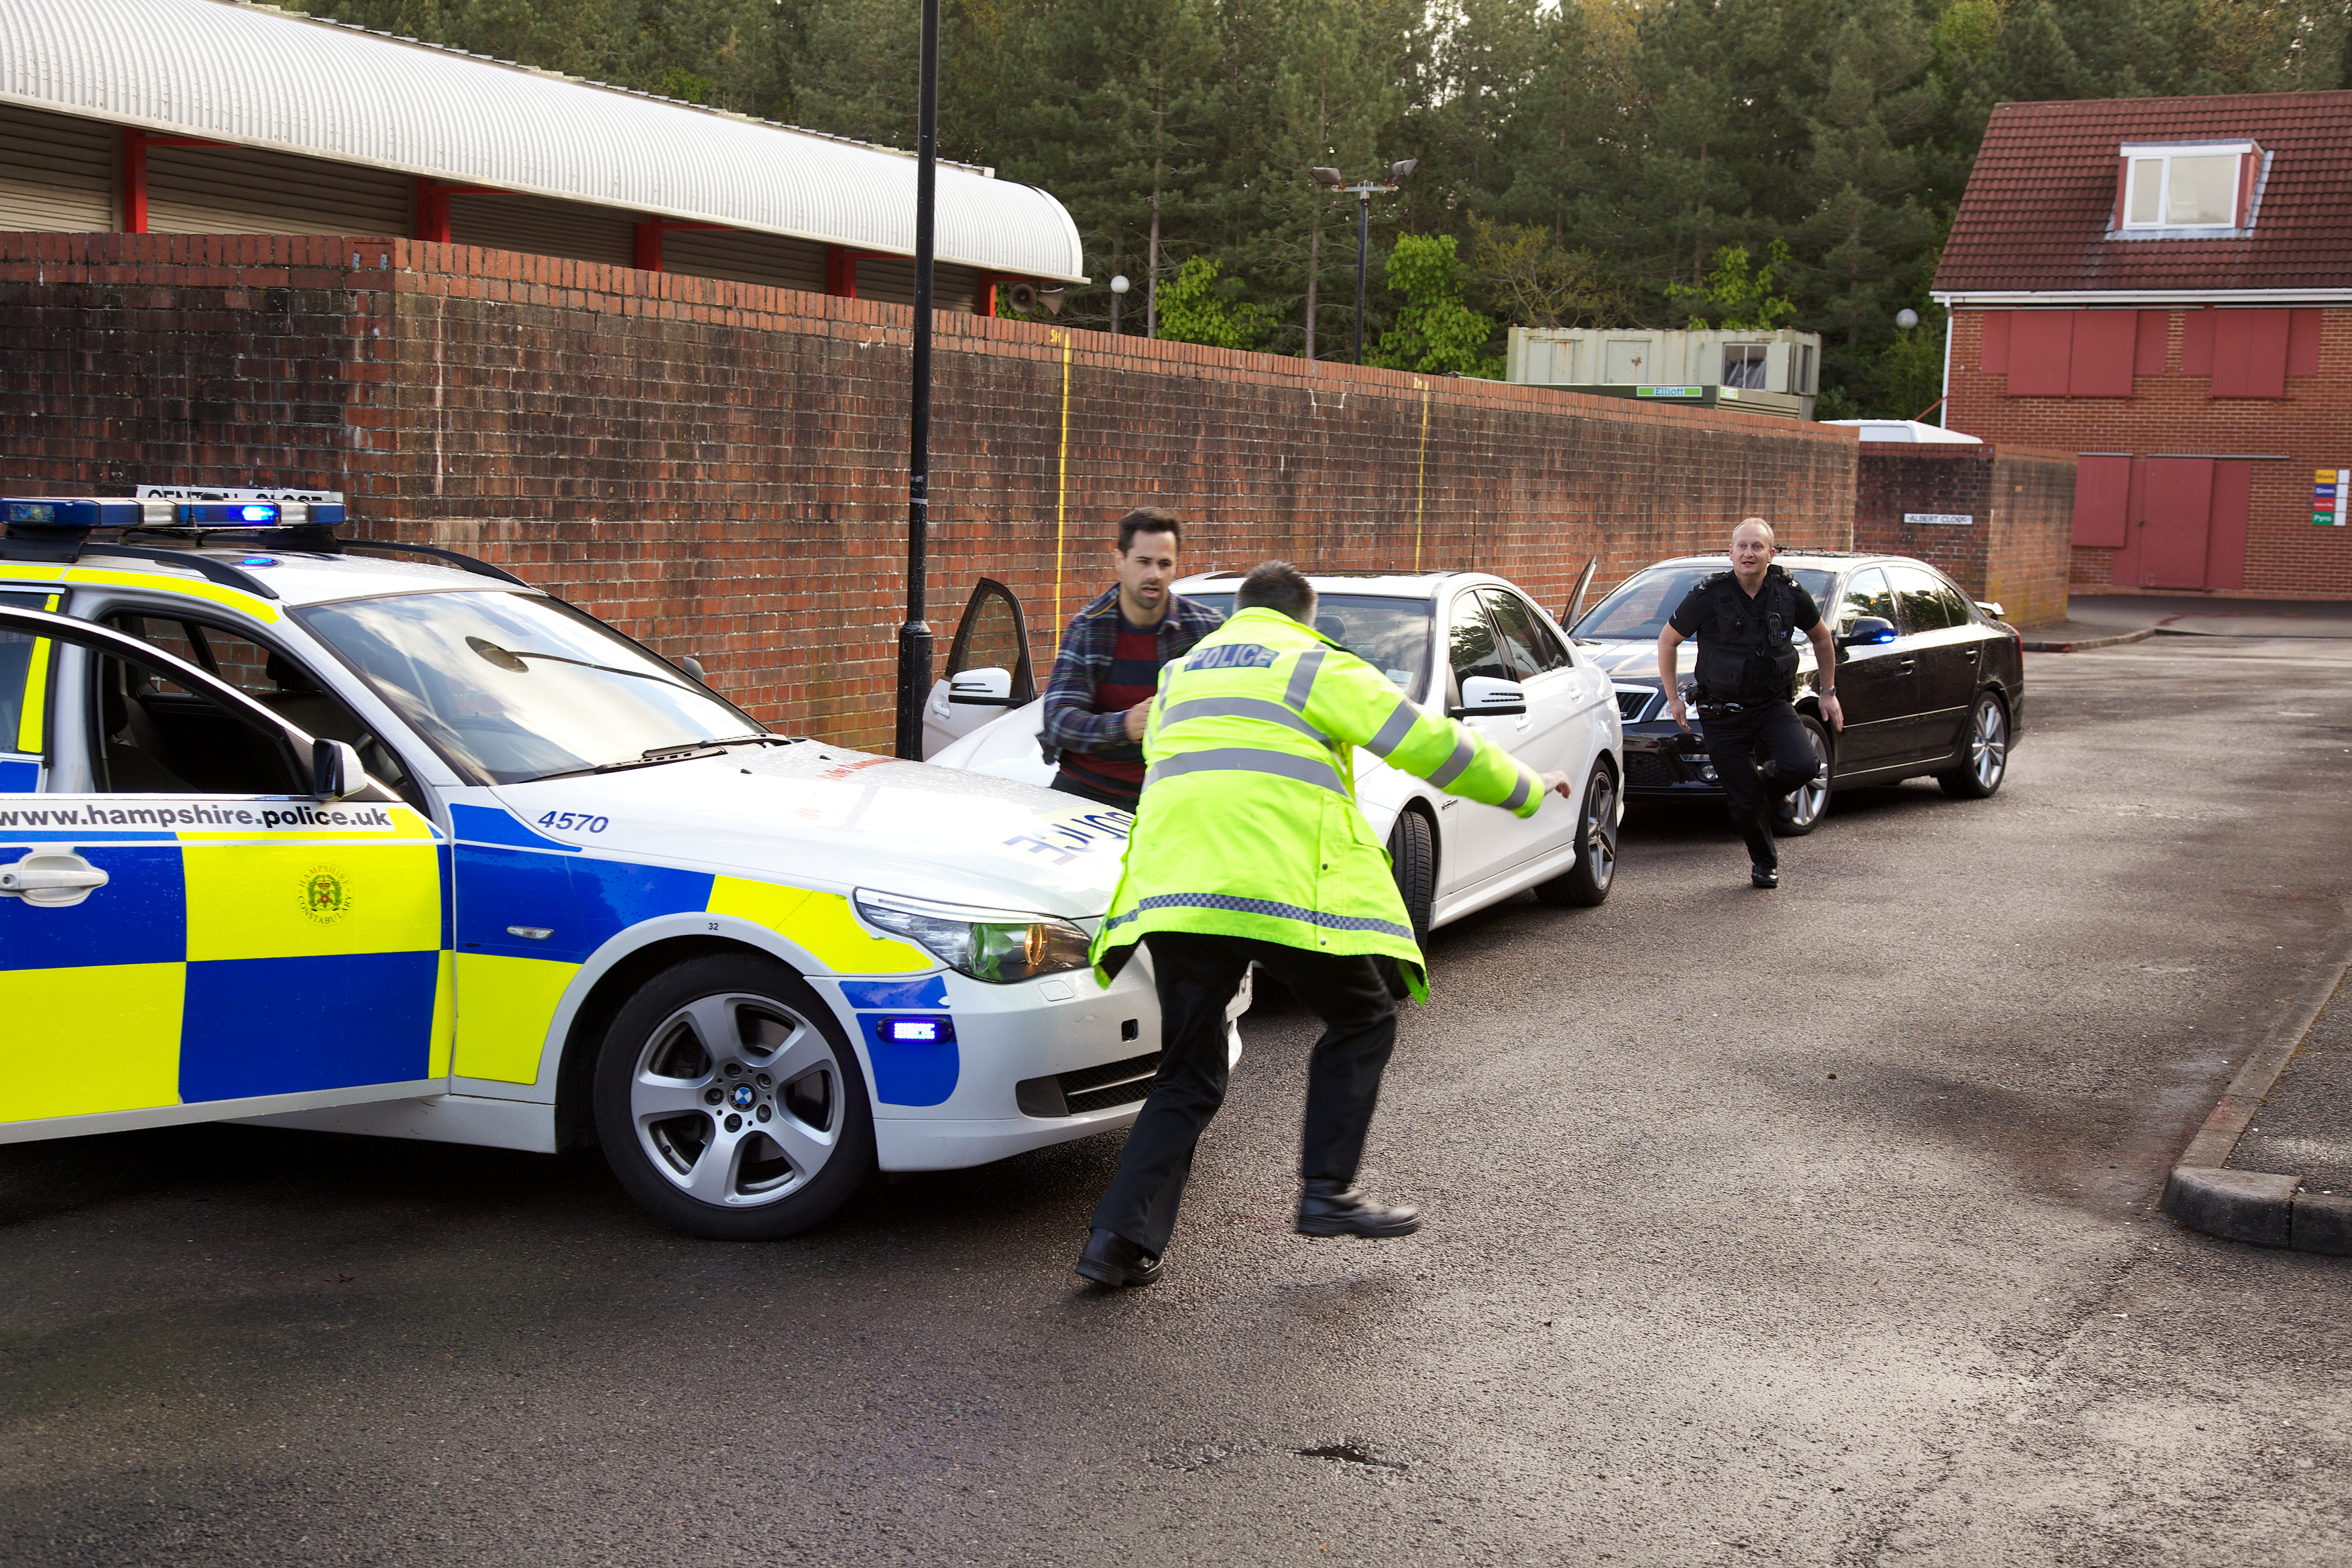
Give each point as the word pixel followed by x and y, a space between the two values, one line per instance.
pixel 1518 797
pixel 1393 730
pixel 1248 760
pixel 1448 771
pixel 1302 678
pixel 1234 905
pixel 1241 707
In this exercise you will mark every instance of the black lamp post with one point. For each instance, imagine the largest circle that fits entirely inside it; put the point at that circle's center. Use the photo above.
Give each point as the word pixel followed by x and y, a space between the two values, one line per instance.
pixel 1333 179
pixel 915 635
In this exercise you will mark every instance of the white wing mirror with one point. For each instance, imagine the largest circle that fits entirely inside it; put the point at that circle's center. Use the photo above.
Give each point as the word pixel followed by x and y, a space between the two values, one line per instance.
pixel 336 771
pixel 1485 695
pixel 982 688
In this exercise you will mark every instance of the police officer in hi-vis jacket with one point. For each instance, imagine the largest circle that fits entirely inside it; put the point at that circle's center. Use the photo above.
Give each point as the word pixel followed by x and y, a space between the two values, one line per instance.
pixel 1747 675
pixel 1248 847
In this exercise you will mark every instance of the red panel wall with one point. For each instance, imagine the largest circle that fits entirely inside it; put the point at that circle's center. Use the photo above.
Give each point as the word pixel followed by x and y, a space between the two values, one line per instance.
pixel 2040 352
pixel 2107 343
pixel 1994 349
pixel 2225 539
pixel 2249 353
pixel 2102 491
pixel 2302 342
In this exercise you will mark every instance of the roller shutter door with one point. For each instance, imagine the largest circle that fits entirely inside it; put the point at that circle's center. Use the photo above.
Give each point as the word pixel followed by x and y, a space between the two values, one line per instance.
pixel 539 227
pixel 243 190
pixel 891 279
pixel 732 254
pixel 56 172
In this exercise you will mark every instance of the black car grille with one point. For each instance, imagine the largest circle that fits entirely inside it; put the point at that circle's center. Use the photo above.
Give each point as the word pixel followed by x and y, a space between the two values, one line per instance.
pixel 1647 769
pixel 1630 705
pixel 1087 1088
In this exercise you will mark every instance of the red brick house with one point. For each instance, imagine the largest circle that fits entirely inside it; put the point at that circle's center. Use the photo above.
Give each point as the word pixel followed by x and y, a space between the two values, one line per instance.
pixel 2164 286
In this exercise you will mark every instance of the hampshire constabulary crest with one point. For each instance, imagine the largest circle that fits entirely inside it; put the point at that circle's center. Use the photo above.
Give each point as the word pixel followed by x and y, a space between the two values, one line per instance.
pixel 326 896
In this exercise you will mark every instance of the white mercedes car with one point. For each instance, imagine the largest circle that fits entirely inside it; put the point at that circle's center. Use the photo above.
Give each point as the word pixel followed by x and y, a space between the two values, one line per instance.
pixel 1467 644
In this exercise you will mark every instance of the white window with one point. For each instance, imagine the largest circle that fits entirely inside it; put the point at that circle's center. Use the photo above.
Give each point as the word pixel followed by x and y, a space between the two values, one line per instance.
pixel 2184 186
pixel 1743 365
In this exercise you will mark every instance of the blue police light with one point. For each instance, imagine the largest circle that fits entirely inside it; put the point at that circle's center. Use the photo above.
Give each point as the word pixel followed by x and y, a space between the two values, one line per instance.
pixel 70 512
pixel 229 514
pixel 1885 636
pixel 933 1029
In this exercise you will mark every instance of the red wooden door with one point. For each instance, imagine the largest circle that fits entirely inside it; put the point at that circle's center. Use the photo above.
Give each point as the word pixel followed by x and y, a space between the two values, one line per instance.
pixel 2173 528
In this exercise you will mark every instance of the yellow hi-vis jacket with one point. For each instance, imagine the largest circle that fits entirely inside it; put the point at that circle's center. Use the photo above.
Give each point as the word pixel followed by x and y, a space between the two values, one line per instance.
pixel 1248 824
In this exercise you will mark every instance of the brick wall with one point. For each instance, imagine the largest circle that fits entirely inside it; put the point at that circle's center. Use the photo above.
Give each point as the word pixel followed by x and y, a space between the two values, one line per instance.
pixel 720 467
pixel 2017 549
pixel 2171 414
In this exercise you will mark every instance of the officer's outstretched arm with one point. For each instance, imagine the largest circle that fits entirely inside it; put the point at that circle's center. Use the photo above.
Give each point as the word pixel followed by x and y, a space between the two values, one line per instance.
pixel 1350 700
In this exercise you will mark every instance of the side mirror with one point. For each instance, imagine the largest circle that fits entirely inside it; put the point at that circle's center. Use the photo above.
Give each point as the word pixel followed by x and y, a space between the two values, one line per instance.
pixel 693 667
pixel 1865 632
pixel 1992 608
pixel 336 771
pixel 982 688
pixel 1483 696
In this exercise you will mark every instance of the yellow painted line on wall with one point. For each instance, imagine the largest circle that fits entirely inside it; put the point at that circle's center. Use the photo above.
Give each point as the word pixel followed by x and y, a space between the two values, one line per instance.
pixel 1062 489
pixel 1421 472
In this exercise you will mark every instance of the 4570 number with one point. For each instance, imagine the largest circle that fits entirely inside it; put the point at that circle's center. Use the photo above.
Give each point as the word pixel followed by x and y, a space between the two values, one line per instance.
pixel 575 822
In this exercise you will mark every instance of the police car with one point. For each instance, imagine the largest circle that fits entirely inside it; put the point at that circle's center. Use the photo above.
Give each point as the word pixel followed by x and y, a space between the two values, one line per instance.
pixel 1469 644
pixel 295 831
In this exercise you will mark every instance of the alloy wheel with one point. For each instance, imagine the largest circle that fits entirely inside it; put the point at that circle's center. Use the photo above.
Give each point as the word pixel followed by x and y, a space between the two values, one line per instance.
pixel 1989 744
pixel 737 1101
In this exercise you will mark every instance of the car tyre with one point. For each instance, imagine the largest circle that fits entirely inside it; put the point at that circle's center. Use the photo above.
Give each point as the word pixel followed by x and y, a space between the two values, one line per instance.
pixel 1412 861
pixel 1586 881
pixel 1802 812
pixel 730 1104
pixel 1986 762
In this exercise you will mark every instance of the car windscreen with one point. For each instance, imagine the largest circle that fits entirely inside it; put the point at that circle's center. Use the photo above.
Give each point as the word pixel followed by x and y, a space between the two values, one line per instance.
pixel 514 686
pixel 1390 634
pixel 1637 610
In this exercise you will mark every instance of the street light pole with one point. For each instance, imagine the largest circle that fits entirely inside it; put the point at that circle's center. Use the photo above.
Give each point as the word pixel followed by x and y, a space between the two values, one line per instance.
pixel 1334 180
pixel 1119 287
pixel 915 635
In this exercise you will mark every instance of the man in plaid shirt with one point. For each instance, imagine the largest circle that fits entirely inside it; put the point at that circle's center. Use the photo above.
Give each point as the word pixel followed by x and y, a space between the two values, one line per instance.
pixel 1108 669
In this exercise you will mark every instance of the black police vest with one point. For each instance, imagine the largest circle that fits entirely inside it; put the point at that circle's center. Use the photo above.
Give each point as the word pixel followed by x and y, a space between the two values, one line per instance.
pixel 1744 652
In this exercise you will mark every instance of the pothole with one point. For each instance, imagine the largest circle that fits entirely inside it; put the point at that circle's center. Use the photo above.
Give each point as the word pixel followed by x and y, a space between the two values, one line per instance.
pixel 1350 1454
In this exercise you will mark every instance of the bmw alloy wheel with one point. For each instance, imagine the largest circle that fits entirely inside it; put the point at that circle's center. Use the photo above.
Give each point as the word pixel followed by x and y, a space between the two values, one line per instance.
pixel 1986 762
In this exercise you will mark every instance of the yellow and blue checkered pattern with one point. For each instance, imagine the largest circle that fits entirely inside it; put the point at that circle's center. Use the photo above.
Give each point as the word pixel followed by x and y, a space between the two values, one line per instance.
pixel 222 964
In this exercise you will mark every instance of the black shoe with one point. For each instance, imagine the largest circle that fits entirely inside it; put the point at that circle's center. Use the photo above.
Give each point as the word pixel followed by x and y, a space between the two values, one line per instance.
pixel 1112 1259
pixel 1764 876
pixel 1336 1208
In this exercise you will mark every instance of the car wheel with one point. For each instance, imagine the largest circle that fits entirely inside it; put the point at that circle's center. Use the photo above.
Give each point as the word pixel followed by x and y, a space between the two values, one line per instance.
pixel 1987 762
pixel 1412 861
pixel 729 1103
pixel 1803 810
pixel 1586 881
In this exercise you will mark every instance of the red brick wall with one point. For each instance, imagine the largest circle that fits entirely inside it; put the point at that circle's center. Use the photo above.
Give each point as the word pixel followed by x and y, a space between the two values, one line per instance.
pixel 720 467
pixel 2310 428
pixel 2016 551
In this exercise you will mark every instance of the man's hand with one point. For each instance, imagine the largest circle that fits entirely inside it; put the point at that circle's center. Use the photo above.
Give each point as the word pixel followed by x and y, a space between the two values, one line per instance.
pixel 1559 784
pixel 1138 717
pixel 1674 707
pixel 1833 710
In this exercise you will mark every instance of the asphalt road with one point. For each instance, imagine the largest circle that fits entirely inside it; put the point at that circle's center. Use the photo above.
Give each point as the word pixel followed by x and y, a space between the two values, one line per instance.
pixel 1812 1227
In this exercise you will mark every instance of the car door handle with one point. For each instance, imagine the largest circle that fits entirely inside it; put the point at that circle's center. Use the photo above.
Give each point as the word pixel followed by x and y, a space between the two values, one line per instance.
pixel 53 879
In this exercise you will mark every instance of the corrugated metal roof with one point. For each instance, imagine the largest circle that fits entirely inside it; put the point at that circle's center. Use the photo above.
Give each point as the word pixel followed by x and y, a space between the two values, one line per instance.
pixel 259 77
pixel 2035 213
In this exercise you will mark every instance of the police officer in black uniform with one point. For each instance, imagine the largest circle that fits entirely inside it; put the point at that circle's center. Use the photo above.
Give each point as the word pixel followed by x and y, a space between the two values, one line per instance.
pixel 1747 675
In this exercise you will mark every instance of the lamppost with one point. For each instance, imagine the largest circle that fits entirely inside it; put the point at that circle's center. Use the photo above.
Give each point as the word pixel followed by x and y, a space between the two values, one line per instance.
pixel 1119 287
pixel 1331 179
pixel 915 635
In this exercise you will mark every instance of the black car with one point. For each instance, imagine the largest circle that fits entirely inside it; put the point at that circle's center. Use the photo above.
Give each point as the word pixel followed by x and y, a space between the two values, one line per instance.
pixel 1931 682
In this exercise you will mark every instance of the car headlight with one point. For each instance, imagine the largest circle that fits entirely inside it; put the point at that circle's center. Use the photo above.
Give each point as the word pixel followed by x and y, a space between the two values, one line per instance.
pixel 998 945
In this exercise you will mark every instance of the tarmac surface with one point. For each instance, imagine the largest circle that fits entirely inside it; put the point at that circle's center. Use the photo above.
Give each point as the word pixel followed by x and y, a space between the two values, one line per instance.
pixel 1813 1226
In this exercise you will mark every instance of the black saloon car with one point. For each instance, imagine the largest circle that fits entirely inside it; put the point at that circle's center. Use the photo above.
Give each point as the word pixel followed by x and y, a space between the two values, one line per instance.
pixel 1931 682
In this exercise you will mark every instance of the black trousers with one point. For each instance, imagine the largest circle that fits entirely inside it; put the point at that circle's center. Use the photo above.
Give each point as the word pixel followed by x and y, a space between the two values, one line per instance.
pixel 1197 977
pixel 1754 793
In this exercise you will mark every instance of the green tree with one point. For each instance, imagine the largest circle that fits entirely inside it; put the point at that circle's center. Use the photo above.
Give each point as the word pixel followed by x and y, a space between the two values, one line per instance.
pixel 1434 331
pixel 1739 300
pixel 1194 308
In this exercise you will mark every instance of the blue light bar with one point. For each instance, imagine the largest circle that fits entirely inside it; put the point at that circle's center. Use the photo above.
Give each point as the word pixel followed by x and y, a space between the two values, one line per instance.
pixel 70 512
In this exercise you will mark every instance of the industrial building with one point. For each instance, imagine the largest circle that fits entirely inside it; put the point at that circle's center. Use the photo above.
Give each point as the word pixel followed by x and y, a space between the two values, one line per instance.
pixel 216 116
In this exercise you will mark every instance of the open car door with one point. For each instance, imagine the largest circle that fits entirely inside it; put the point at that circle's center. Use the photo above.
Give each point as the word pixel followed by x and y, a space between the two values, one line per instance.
pixel 1575 611
pixel 988 669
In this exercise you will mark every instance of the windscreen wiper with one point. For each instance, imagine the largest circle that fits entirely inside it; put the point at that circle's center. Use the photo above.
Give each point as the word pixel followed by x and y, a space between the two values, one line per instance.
pixel 654 756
